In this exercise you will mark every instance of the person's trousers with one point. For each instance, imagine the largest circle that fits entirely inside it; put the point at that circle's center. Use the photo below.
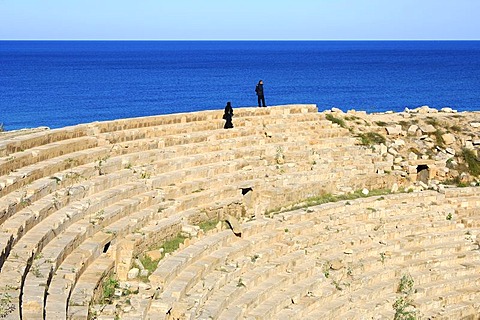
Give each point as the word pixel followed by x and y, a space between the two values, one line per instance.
pixel 262 100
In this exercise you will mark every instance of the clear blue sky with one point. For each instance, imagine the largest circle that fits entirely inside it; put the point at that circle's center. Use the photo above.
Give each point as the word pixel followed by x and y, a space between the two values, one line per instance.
pixel 235 20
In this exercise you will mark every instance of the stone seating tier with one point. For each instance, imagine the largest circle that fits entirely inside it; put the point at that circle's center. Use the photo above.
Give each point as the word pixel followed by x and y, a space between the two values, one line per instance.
pixel 434 245
pixel 152 177
pixel 17 141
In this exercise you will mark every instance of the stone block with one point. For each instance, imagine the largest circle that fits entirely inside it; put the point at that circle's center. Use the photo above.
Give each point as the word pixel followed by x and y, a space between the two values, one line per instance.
pixel 154 254
pixel 124 258
pixel 428 128
pixel 448 138
pixel 399 143
pixel 412 156
pixel 133 273
pixel 78 312
pixel 448 110
pixel 468 144
pixel 395 130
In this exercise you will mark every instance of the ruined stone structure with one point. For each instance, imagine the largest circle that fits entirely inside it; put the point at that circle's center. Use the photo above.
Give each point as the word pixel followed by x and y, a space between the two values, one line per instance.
pixel 79 205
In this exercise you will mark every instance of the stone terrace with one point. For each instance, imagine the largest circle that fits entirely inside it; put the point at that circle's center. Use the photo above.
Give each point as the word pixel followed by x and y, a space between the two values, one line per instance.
pixel 79 204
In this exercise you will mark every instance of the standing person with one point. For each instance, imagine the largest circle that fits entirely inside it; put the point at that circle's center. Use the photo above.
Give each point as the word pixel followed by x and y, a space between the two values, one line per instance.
pixel 228 115
pixel 259 91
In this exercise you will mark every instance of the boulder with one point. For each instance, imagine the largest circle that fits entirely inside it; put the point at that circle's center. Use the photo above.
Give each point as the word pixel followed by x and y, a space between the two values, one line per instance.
pixel 389 158
pixel 154 254
pixel 336 110
pixel 428 128
pixel 412 129
pixel 395 130
pixel 139 264
pixel 399 142
pixel 426 109
pixel 133 273
pixel 392 151
pixel 383 149
pixel 448 138
pixel 336 265
pixel 469 144
pixel 448 110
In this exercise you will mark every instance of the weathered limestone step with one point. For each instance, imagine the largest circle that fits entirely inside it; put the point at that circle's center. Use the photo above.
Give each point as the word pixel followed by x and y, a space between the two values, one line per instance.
pixel 74 240
pixel 261 250
pixel 42 153
pixel 173 265
pixel 209 116
pixel 83 293
pixel 219 274
pixel 175 182
pixel 127 225
pixel 10 138
pixel 460 194
pixel 259 282
pixel 16 266
pixel 45 169
pixel 170 267
pixel 284 297
pixel 471 222
pixel 20 140
pixel 462 310
pixel 71 267
pixel 202 137
pixel 461 294
pixel 37 282
pixel 234 251
pixel 370 291
pixel 32 215
pixel 189 278
pixel 157 131
pixel 58 221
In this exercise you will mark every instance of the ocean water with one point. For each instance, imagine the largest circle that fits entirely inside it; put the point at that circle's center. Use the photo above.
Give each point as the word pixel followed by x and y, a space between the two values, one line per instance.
pixel 61 83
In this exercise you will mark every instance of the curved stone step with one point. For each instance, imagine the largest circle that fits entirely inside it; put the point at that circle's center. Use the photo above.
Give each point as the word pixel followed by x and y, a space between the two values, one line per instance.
pixel 20 140
pixel 72 267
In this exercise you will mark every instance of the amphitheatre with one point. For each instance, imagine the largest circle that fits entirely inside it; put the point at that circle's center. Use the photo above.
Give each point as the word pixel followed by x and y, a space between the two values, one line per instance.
pixel 292 214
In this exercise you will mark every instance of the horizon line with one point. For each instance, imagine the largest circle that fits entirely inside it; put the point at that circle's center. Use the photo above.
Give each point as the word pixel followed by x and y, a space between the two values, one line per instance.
pixel 179 40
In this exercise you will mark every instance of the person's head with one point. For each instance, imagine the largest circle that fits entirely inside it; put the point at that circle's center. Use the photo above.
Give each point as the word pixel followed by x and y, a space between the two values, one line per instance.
pixel 260 82
pixel 229 104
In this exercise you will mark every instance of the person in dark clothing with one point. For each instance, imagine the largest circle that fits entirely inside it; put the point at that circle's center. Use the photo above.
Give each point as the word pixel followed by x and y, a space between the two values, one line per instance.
pixel 227 116
pixel 260 96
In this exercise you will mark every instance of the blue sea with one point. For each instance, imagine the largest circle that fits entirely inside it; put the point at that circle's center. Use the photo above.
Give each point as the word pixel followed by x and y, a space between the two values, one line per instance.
pixel 62 83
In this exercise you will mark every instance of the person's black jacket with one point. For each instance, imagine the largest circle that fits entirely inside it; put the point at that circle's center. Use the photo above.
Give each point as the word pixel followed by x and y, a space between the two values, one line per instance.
pixel 259 89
